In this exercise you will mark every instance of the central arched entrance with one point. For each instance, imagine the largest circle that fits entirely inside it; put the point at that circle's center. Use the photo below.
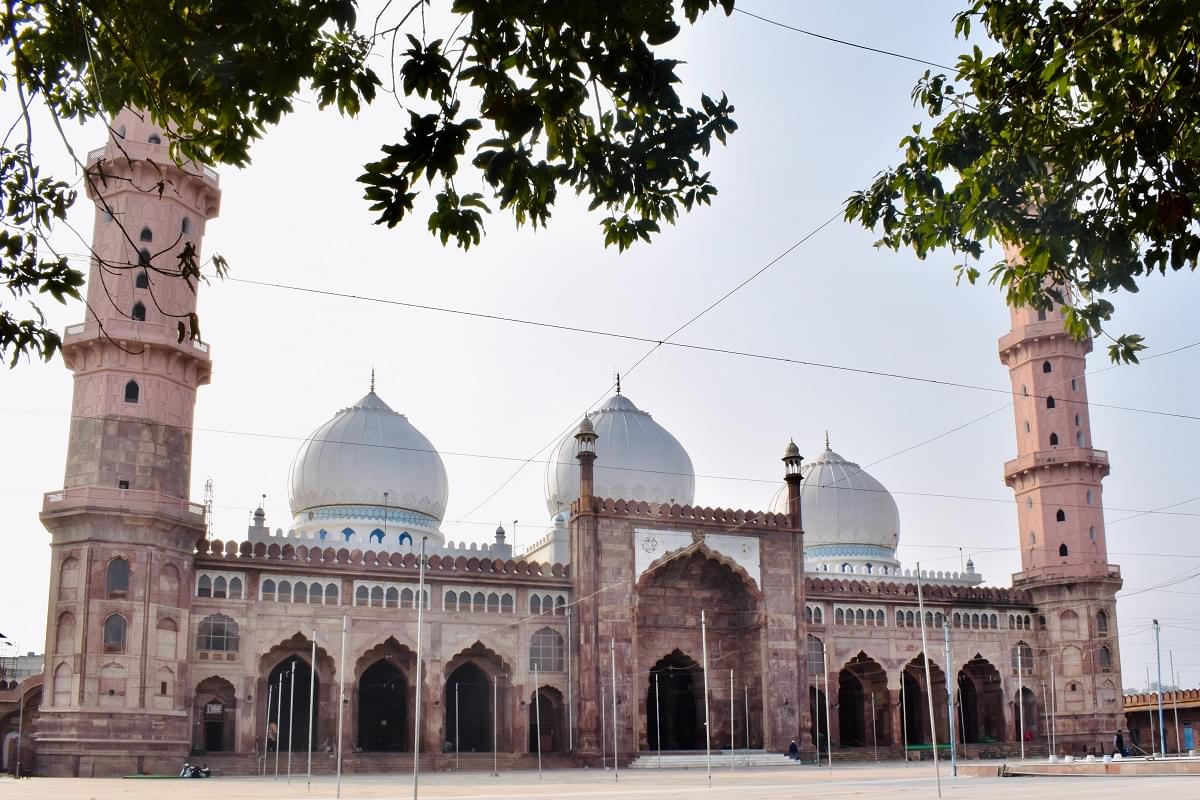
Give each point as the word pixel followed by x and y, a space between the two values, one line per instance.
pixel 675 704
pixel 864 713
pixel 383 708
pixel 469 710
pixel 916 703
pixel 669 600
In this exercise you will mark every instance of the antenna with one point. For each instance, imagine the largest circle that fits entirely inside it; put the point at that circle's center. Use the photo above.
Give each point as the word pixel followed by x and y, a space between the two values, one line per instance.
pixel 208 509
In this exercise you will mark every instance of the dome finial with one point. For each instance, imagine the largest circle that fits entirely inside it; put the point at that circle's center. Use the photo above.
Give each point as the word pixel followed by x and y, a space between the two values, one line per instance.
pixel 618 375
pixel 826 438
pixel 372 380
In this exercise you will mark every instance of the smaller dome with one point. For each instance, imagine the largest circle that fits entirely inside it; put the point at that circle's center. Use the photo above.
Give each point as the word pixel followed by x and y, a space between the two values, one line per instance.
pixel 585 426
pixel 792 451
pixel 842 504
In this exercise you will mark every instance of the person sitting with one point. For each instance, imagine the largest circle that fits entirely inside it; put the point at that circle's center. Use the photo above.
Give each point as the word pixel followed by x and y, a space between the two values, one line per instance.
pixel 793 751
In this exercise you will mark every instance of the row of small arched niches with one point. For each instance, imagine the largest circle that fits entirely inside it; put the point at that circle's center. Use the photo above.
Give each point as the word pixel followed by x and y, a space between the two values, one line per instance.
pixel 219 633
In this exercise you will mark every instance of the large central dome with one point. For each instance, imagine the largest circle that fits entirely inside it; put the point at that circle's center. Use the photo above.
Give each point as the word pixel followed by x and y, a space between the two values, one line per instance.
pixel 636 459
pixel 364 451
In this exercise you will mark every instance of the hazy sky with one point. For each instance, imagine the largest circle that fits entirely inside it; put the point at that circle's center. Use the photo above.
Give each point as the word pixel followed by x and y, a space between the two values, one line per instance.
pixel 817 121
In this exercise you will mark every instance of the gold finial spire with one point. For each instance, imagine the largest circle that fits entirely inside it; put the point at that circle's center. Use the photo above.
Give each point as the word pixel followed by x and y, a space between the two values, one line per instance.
pixel 372 379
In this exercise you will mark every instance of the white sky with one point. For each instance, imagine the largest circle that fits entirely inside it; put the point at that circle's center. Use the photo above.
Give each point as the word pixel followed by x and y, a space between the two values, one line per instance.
pixel 817 120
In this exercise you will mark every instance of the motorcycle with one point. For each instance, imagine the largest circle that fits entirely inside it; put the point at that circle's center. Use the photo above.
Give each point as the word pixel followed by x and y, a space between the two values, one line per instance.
pixel 192 771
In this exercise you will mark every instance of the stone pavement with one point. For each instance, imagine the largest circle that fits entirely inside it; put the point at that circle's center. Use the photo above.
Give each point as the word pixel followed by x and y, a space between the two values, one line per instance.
pixel 893 781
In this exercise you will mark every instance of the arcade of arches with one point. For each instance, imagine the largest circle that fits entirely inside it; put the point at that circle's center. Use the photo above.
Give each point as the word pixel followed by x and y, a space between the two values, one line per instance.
pixel 868 707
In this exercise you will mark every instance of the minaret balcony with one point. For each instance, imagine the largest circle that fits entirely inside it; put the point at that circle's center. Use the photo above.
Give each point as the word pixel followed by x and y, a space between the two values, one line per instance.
pixel 125 331
pixel 1067 573
pixel 136 151
pixel 1061 455
pixel 123 501
pixel 1051 329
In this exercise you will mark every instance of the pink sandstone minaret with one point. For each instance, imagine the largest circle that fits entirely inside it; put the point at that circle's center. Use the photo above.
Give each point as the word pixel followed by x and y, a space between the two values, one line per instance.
pixel 123 531
pixel 1064 560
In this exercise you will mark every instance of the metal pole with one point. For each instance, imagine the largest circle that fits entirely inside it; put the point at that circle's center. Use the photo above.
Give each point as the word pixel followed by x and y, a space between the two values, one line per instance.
pixel 904 715
pixel 21 730
pixel 1162 729
pixel 817 713
pixel 341 702
pixel 1053 709
pixel 278 722
pixel 937 770
pixel 962 720
pixel 732 743
pixel 1150 715
pixel 570 689
pixel 828 719
pixel 612 650
pixel 311 695
pixel 420 622
pixel 1021 702
pixel 746 695
pixel 1046 703
pixel 267 728
pixel 291 716
pixel 495 726
pixel 603 728
pixel 704 655
pixel 950 702
pixel 657 720
pixel 537 711
pixel 456 764
pixel 1175 696
pixel 874 737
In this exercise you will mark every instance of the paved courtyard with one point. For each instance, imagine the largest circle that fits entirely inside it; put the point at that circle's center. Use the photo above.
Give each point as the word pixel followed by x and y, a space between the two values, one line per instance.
pixel 887 781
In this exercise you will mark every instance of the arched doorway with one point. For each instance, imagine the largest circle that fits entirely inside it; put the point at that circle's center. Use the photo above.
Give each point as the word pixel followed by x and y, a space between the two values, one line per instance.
pixel 916 702
pixel 216 716
pixel 468 707
pixel 383 708
pixel 290 704
pixel 546 715
pixel 819 722
pixel 1029 702
pixel 675 704
pixel 981 702
pixel 864 713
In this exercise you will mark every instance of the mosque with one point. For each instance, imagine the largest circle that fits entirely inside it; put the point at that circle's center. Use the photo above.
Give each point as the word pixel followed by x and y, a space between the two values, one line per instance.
pixel 638 603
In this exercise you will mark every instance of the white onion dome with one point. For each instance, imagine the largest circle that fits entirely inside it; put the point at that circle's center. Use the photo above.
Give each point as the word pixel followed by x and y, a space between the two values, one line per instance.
pixel 842 504
pixel 636 459
pixel 365 451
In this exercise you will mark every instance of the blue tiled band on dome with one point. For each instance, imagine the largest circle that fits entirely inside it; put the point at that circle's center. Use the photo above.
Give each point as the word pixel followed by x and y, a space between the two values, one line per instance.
pixel 849 551
pixel 394 515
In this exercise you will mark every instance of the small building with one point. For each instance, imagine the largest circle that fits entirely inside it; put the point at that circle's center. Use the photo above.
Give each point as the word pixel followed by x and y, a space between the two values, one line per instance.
pixel 1180 720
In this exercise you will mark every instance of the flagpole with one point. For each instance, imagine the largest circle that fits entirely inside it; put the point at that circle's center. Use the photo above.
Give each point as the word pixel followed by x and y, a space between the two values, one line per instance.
pixel 1021 702
pixel 707 729
pixel 937 770
pixel 570 689
pixel 457 767
pixel 828 722
pixel 291 716
pixel 341 702
pixel 278 722
pixel 657 720
pixel 612 649
pixel 267 728
pixel 732 743
pixel 417 715
pixel 537 711
pixel 312 683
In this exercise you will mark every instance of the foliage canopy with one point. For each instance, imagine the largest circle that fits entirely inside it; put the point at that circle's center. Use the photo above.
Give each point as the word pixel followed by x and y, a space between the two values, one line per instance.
pixel 535 95
pixel 1076 141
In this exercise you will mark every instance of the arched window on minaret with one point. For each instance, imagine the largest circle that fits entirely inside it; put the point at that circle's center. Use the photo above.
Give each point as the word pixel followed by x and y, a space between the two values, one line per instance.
pixel 1046 367
pixel 1050 401
pixel 132 392
pixel 143 257
pixel 1062 550
pixel 1079 438
pixel 1060 516
pixel 155 139
pixel 185 226
pixel 141 280
pixel 146 235
pixel 1105 659
pixel 1102 623
pixel 138 314
pixel 1054 440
